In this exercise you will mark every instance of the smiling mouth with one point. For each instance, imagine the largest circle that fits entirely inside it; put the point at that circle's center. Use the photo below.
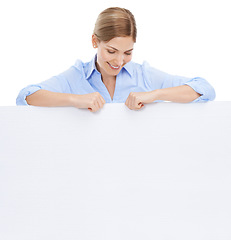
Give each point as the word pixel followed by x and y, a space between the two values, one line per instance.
pixel 113 67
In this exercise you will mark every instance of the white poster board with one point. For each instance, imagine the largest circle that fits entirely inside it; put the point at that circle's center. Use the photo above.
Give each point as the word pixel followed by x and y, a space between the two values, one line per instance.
pixel 159 173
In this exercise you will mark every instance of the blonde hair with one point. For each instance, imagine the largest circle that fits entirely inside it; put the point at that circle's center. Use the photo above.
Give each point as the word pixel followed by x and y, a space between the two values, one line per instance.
pixel 115 22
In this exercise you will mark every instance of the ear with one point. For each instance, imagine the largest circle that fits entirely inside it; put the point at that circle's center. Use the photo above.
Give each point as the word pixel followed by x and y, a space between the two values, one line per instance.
pixel 94 41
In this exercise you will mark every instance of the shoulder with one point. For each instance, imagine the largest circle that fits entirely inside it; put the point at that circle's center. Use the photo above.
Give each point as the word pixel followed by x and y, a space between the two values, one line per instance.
pixel 152 71
pixel 73 73
pixel 76 71
pixel 84 68
pixel 144 68
pixel 150 76
pixel 79 65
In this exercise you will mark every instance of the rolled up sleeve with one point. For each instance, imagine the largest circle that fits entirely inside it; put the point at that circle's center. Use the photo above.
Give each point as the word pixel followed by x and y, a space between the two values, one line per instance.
pixel 21 99
pixel 201 86
pixel 57 83
pixel 158 80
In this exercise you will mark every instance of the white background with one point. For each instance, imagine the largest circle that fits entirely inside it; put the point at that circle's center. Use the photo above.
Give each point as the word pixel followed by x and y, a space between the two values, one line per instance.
pixel 43 38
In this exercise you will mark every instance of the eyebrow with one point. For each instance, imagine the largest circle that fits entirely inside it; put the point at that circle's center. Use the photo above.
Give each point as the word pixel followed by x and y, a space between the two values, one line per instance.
pixel 118 50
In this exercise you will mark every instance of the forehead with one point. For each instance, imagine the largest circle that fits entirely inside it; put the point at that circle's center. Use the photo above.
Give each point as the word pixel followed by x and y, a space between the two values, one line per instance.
pixel 121 43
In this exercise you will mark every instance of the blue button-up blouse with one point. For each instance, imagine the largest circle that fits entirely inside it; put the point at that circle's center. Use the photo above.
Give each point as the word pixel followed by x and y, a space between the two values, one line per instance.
pixel 83 78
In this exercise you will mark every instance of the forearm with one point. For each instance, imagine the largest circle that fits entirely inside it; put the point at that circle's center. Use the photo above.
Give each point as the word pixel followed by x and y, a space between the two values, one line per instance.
pixel 46 98
pixel 93 101
pixel 181 94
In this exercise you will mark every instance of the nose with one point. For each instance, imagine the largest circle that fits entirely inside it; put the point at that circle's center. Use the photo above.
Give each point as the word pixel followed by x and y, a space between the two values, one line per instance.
pixel 119 59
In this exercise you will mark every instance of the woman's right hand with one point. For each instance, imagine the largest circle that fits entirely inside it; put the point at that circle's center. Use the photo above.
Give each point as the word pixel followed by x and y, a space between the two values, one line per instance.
pixel 92 101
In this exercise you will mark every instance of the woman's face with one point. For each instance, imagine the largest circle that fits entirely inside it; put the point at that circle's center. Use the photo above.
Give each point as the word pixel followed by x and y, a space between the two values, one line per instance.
pixel 113 55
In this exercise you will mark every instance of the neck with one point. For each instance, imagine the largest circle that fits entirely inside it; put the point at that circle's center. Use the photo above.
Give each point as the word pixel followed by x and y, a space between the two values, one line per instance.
pixel 104 76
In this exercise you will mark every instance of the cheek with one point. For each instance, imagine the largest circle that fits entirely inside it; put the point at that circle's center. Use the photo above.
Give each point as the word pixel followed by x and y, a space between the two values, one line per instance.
pixel 104 56
pixel 128 58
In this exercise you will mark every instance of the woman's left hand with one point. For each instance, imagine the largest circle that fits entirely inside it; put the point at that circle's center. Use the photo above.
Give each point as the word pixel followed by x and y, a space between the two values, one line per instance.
pixel 136 100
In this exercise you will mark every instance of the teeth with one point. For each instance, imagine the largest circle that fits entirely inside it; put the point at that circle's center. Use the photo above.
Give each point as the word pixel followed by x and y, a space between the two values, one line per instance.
pixel 114 66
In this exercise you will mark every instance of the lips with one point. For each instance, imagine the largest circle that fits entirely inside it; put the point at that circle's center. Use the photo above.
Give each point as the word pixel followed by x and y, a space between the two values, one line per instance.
pixel 113 67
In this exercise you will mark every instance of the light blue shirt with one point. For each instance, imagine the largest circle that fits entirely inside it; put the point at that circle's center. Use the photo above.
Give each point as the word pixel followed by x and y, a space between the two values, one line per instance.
pixel 83 78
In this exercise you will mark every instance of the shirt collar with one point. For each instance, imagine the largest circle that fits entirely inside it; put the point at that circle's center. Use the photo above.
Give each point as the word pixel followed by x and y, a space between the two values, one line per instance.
pixel 129 68
pixel 92 67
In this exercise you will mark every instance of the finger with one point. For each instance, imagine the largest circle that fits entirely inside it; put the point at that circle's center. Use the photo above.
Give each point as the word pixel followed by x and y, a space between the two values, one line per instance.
pixel 101 102
pixel 129 104
pixel 102 99
pixel 134 102
pixel 93 107
pixel 138 104
pixel 98 104
pixel 126 102
pixel 131 101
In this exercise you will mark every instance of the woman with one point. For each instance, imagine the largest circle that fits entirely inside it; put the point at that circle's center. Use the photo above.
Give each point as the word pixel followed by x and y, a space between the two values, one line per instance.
pixel 112 77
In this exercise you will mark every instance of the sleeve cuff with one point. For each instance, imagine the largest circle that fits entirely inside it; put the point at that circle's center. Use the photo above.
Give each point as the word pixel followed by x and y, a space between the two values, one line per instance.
pixel 202 87
pixel 21 99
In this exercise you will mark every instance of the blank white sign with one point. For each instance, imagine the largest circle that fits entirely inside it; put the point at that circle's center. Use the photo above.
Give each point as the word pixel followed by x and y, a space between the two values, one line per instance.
pixel 159 173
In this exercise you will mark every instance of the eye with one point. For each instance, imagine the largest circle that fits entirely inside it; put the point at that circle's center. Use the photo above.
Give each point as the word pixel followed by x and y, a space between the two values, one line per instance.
pixel 111 52
pixel 128 53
